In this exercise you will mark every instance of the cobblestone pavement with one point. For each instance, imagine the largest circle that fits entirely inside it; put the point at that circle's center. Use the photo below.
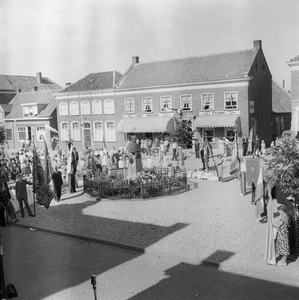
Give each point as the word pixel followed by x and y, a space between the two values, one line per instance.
pixel 177 238
pixel 48 266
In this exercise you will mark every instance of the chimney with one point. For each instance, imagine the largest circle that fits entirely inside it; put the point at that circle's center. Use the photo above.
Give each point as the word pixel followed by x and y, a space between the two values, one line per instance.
pixel 39 78
pixel 34 89
pixel 19 91
pixel 257 44
pixel 114 79
pixel 135 60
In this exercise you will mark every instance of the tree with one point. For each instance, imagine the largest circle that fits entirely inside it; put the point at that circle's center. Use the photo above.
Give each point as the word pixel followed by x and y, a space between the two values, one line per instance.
pixel 2 134
pixel 284 166
pixel 182 133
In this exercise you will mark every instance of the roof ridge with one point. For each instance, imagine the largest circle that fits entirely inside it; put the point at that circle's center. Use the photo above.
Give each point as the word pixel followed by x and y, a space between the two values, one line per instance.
pixel 198 56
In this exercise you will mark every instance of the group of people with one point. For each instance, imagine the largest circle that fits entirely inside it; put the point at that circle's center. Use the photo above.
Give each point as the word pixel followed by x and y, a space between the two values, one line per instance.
pixel 253 146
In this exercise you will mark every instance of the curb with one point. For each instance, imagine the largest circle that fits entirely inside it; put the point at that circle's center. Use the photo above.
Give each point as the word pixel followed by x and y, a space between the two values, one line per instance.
pixel 205 262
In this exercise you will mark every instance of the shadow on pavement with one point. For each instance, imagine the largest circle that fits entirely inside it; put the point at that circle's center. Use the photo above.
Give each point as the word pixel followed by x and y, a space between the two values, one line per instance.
pixel 207 281
pixel 39 267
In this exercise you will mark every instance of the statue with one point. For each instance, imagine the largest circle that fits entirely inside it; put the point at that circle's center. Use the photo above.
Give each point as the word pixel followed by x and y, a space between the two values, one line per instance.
pixel 135 161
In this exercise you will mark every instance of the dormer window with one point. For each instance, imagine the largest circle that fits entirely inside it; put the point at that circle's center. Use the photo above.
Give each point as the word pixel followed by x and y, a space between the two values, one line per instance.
pixel 30 110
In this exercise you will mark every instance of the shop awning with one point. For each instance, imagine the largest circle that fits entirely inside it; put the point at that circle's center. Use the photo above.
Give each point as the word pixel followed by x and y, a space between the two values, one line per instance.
pixel 216 121
pixel 146 124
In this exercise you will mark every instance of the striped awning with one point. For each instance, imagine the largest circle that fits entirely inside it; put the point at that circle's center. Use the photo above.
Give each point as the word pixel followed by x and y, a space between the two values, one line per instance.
pixel 216 121
pixel 146 124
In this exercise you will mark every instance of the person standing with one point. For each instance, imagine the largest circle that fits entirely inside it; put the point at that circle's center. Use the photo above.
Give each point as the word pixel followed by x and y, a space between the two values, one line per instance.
pixel 220 167
pixel 196 148
pixel 21 194
pixel 244 145
pixel 174 150
pixel 221 147
pixel 206 154
pixel 58 182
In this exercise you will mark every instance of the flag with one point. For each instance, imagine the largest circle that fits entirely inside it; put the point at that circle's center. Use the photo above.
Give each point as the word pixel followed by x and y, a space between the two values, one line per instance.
pixel 48 176
pixel 104 142
pixel 235 161
pixel 237 126
pixel 259 191
pixel 42 189
pixel 69 161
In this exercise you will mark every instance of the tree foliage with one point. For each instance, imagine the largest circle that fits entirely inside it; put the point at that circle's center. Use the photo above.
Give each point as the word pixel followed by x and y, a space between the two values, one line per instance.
pixel 182 133
pixel 2 135
pixel 284 166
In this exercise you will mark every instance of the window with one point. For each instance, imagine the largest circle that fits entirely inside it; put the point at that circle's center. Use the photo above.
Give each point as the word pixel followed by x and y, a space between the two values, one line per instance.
pixel 9 134
pixel 230 134
pixel 96 107
pixel 210 133
pixel 110 131
pixel 74 108
pixel 85 108
pixel 109 107
pixel 22 133
pixel 207 101
pixel 147 105
pixel 165 104
pixel 231 101
pixel 63 109
pixel 76 131
pixel 98 131
pixel 64 131
pixel 186 102
pixel 129 105
pixel 40 133
pixel 29 110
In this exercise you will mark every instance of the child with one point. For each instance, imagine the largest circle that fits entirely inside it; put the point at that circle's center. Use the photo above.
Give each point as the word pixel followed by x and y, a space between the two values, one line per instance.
pixel 219 164
pixel 281 222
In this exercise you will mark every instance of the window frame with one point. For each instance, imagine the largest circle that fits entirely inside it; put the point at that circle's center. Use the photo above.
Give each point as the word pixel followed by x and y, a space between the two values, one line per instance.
pixel 181 102
pixel 100 139
pixel 76 139
pixel 26 132
pixel 212 103
pixel 168 109
pixel 213 141
pixel 237 104
pixel 67 109
pixel 71 108
pixel 106 108
pixel 226 129
pixel 125 104
pixel 7 136
pixel 62 137
pixel 82 107
pixel 113 139
pixel 143 105
pixel 37 134
pixel 93 108
pixel 34 111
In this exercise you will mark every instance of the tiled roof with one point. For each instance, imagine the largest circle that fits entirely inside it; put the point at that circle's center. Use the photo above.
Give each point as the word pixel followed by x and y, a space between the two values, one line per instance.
pixel 94 81
pixel 39 97
pixel 188 70
pixel 281 99
pixel 26 83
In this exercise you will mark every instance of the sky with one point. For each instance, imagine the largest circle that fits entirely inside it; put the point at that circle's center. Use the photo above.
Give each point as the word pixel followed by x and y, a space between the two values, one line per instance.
pixel 68 39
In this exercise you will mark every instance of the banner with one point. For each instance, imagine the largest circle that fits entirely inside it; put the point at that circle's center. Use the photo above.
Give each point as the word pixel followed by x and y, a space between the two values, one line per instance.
pixel 252 170
pixel 43 191
pixel 235 161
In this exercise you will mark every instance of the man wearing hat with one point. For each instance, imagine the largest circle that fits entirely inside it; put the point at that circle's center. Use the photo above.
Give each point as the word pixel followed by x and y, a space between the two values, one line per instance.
pixel 21 194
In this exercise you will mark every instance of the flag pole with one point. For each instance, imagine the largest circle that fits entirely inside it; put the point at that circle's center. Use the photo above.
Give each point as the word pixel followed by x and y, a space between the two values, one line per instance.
pixel 208 144
pixel 33 194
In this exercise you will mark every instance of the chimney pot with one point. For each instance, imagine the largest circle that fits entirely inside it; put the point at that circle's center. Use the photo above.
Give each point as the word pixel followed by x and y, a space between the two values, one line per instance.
pixel 135 60
pixel 257 44
pixel 34 88
pixel 39 78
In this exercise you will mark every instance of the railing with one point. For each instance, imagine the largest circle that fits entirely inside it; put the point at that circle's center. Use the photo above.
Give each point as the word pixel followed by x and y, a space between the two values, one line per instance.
pixel 154 182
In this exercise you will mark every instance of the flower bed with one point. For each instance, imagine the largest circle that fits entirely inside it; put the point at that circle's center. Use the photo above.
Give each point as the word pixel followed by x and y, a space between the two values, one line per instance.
pixel 149 183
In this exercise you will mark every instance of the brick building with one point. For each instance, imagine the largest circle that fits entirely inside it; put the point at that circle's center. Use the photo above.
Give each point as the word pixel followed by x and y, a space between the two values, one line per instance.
pixel 212 93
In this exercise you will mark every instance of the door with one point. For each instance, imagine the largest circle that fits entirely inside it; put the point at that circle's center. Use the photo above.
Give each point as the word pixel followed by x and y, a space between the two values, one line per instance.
pixel 87 135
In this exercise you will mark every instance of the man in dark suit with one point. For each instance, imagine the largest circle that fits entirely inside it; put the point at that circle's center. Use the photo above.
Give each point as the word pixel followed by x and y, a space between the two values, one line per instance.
pixel 58 182
pixel 21 194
